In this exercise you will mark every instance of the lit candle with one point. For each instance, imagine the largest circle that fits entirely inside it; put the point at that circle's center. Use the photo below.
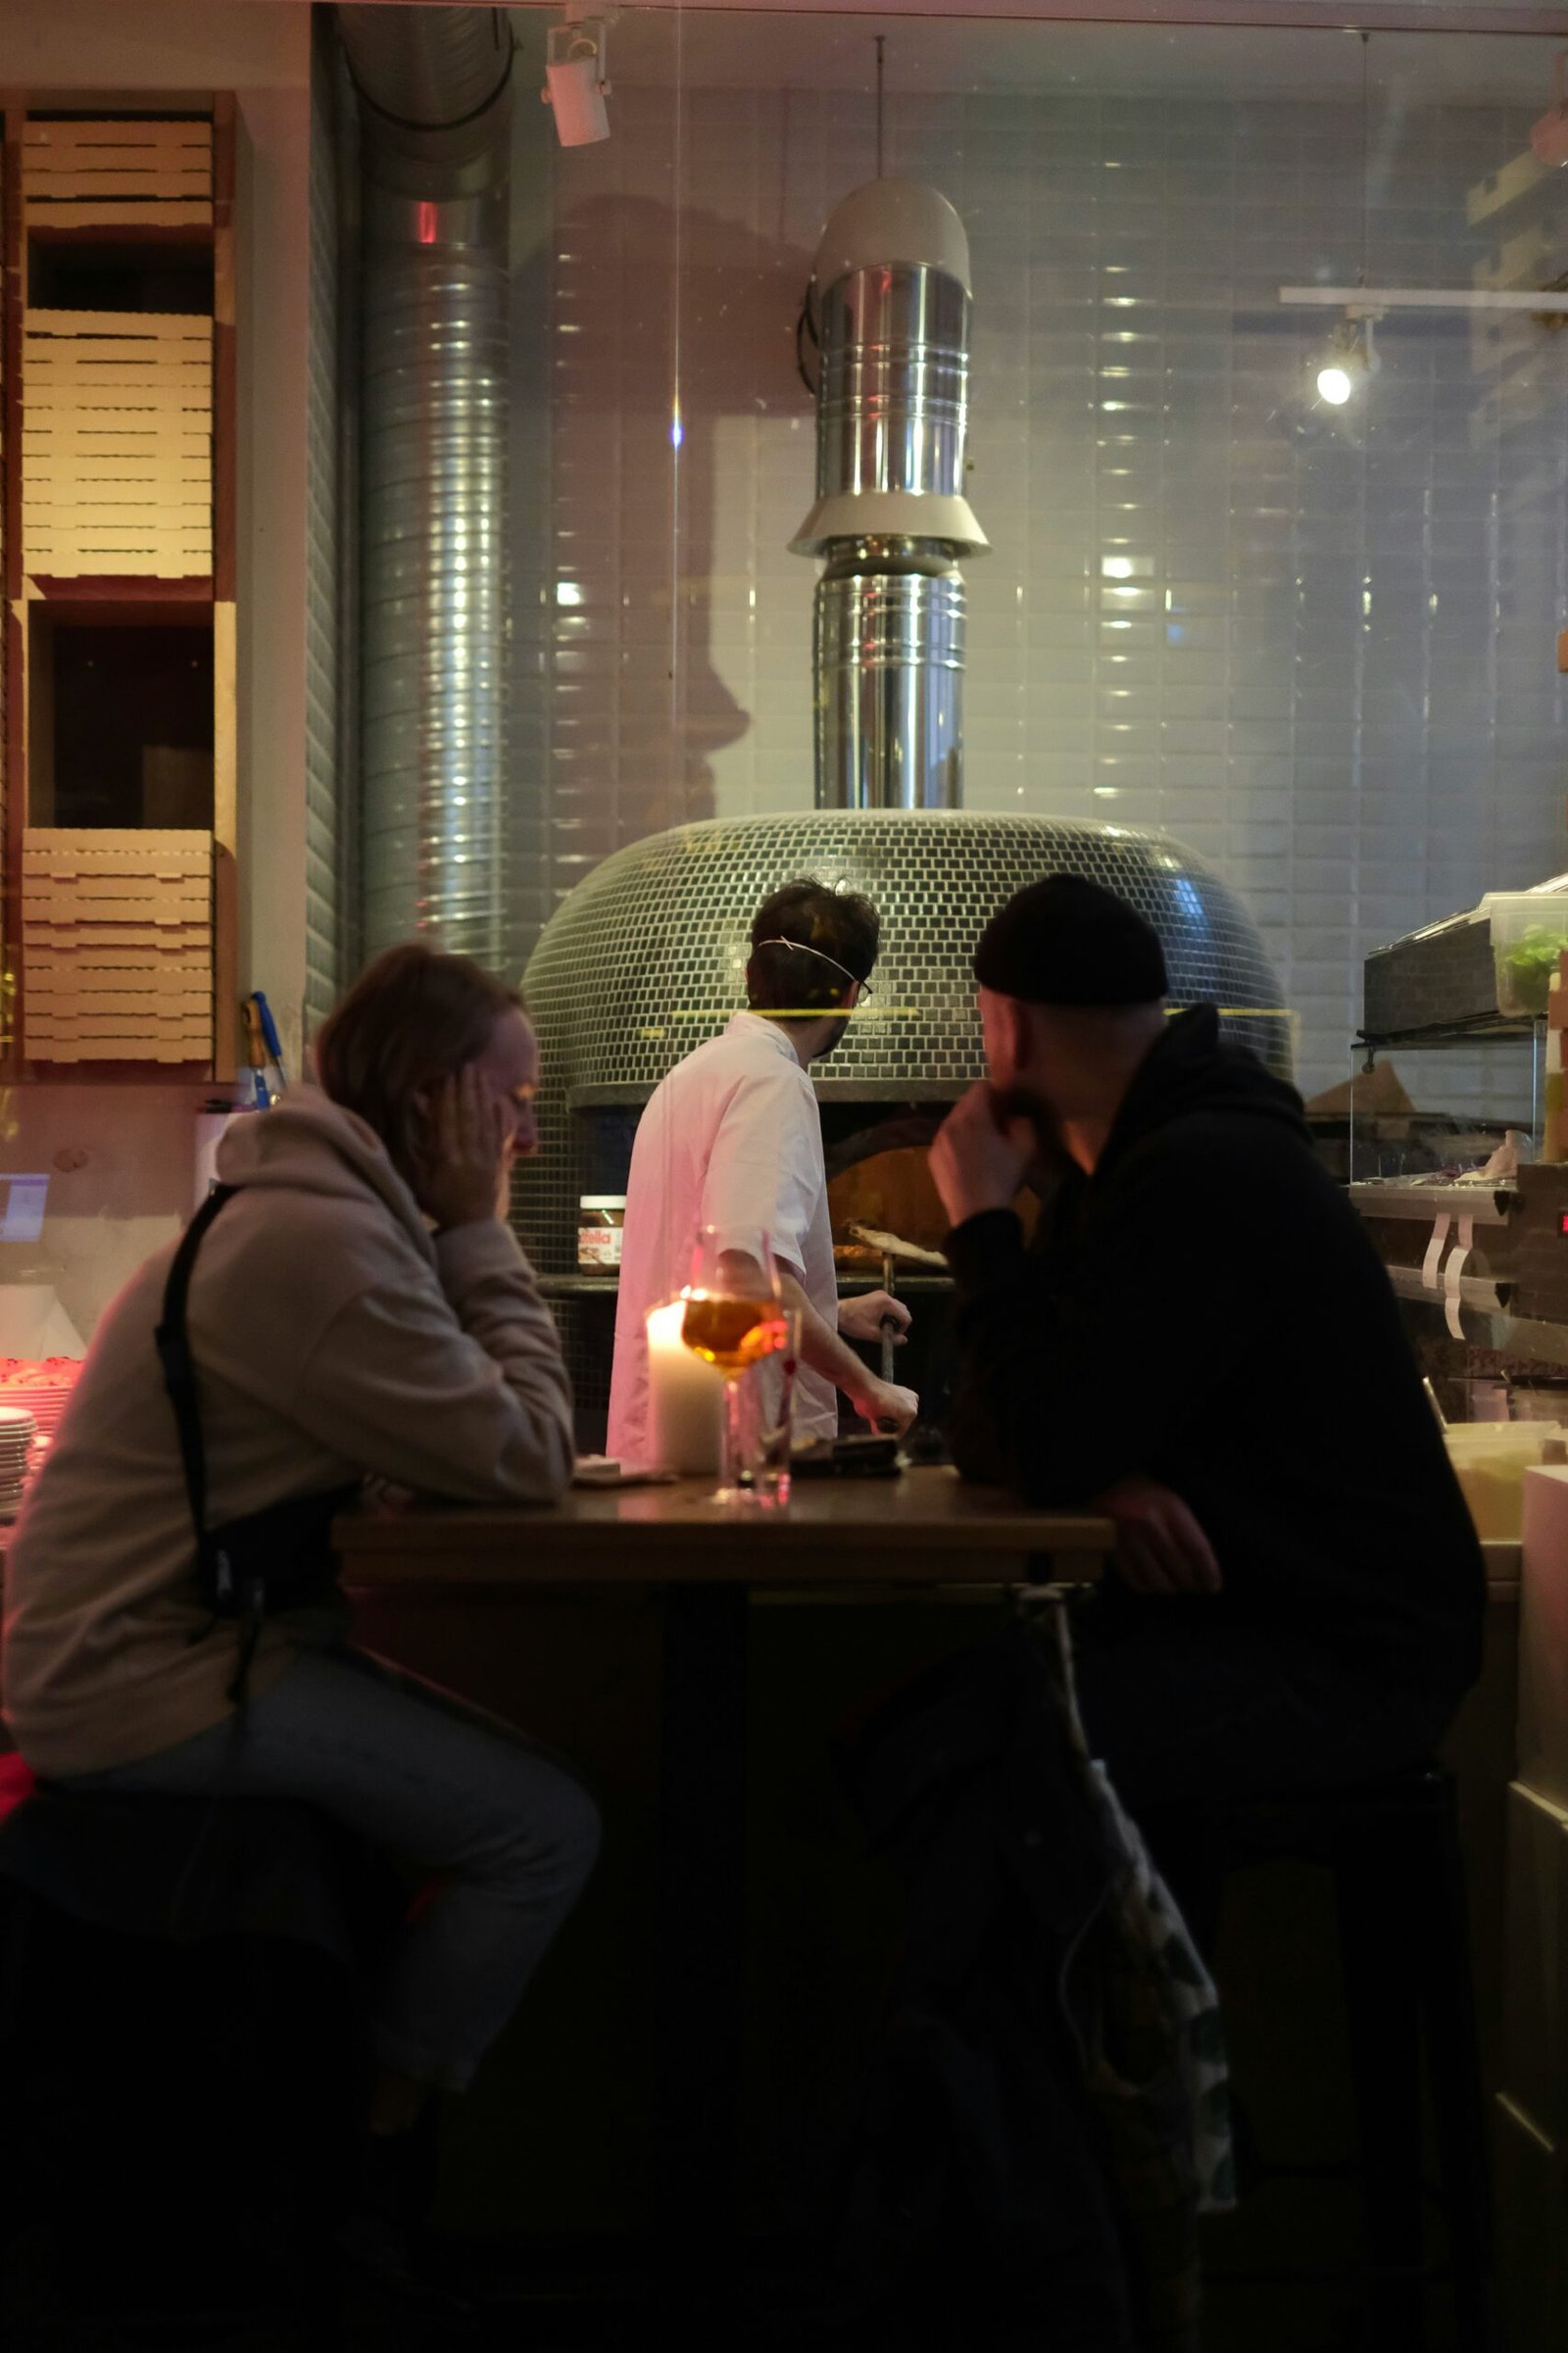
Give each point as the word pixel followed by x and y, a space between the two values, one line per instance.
pixel 685 1396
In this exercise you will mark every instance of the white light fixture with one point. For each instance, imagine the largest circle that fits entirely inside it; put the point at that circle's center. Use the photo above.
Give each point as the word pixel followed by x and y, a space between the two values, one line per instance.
pixel 1350 360
pixel 577 79
pixel 1343 370
pixel 1344 367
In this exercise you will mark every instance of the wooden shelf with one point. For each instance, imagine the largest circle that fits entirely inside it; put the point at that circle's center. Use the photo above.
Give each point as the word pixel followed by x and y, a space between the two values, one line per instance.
pixel 117 933
pixel 117 171
pixel 116 443
pixel 119 444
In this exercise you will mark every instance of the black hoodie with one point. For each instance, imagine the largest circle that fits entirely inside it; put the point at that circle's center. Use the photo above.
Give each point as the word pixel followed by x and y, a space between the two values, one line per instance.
pixel 1206 1309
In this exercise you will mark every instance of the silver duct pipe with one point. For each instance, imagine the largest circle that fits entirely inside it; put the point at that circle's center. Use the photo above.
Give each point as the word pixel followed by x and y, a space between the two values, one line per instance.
pixel 434 90
pixel 888 645
pixel 892 290
pixel 894 393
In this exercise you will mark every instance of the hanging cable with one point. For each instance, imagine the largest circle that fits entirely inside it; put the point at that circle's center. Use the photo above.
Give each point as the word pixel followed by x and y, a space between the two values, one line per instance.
pixel 881 50
pixel 1366 155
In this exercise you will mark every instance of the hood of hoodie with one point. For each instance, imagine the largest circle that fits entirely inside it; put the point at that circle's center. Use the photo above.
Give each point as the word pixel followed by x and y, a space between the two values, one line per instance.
pixel 309 1144
pixel 1192 1072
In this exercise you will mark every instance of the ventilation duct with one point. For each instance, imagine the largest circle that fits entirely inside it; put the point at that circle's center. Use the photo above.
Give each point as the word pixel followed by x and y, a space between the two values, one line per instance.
pixel 434 91
pixel 891 294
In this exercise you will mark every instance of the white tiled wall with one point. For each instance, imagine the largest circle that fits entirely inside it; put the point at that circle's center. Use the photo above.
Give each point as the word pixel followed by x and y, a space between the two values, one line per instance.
pixel 1331 666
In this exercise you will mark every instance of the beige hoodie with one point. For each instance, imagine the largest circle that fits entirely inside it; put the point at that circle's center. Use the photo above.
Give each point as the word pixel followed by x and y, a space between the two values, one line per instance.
pixel 333 1337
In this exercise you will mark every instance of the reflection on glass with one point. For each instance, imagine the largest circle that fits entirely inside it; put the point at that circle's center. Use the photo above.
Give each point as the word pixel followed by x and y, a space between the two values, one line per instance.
pixel 734 1320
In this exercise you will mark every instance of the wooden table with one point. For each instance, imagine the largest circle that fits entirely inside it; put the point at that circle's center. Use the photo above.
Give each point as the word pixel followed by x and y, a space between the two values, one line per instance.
pixel 925 1532
pixel 924 1529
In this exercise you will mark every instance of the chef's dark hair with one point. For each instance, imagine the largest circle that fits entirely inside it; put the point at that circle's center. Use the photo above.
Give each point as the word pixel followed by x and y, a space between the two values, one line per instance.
pixel 413 1017
pixel 837 932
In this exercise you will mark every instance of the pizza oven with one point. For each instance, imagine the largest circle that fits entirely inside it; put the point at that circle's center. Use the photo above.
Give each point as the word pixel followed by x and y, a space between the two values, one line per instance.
pixel 646 959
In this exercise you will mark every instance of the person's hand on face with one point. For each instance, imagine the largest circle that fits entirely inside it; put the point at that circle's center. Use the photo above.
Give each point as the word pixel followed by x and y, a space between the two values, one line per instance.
pixel 466 1151
pixel 1160 1548
pixel 980 1155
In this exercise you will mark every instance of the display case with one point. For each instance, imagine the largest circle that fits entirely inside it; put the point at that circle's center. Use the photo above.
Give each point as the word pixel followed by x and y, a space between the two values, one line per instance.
pixel 1480 1264
pixel 1478 1081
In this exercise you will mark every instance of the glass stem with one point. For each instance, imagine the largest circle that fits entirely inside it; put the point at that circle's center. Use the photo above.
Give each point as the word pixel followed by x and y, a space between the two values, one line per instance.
pixel 732 1468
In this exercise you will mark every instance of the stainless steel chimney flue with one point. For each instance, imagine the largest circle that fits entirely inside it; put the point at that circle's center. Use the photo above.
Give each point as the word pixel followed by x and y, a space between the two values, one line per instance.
pixel 888 654
pixel 892 296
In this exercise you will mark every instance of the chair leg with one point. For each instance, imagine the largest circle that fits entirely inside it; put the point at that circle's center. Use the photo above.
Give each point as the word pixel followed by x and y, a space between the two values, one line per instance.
pixel 1453 2072
pixel 1372 1893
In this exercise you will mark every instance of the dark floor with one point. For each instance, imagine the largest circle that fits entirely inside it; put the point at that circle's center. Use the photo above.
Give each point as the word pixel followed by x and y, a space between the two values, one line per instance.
pixel 577 2055
pixel 564 2301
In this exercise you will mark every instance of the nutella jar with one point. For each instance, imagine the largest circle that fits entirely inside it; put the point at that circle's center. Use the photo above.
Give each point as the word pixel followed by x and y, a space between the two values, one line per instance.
pixel 600 1218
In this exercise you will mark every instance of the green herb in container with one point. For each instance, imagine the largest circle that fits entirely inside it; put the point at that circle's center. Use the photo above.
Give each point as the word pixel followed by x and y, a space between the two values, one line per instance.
pixel 1525 966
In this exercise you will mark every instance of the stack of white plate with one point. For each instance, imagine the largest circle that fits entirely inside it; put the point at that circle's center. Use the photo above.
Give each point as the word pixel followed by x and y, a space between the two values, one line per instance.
pixel 40 1387
pixel 18 1430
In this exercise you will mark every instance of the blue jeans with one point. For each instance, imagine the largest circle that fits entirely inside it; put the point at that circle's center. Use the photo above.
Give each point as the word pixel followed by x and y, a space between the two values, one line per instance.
pixel 508 1833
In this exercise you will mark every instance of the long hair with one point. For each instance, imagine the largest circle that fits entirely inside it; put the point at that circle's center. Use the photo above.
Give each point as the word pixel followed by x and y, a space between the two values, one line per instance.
pixel 413 1017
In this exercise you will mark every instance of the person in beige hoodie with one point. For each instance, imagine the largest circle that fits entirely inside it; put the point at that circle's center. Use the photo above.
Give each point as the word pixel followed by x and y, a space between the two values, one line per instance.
pixel 357 1309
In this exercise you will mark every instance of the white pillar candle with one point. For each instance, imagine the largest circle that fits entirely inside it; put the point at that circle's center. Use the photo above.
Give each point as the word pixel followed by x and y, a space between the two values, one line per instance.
pixel 685 1396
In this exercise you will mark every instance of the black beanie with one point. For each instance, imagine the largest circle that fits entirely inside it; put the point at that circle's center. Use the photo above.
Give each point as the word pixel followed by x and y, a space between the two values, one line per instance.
pixel 1066 941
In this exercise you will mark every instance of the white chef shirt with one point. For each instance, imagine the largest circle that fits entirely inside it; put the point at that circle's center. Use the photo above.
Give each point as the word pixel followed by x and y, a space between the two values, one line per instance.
pixel 732 1137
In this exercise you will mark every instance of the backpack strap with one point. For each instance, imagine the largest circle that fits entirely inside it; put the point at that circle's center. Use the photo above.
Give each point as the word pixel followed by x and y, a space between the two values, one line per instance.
pixel 179 1366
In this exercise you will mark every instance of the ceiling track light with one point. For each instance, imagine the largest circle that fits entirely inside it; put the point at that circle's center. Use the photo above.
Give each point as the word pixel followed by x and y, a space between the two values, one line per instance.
pixel 1345 369
pixel 1349 361
pixel 577 77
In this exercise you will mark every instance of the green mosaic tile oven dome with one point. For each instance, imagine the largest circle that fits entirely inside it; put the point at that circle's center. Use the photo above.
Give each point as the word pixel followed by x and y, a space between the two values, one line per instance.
pixel 645 960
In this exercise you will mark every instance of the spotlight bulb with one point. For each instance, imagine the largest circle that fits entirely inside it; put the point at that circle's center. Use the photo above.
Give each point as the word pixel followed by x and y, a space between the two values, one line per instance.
pixel 1343 369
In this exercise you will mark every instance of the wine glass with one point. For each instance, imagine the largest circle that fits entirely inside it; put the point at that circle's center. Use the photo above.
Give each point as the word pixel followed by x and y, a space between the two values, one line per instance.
pixel 734 1318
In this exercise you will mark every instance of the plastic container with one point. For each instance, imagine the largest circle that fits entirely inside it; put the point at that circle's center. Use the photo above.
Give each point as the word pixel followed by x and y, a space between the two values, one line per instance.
pixel 1535 1401
pixel 1529 932
pixel 601 1217
pixel 1489 1461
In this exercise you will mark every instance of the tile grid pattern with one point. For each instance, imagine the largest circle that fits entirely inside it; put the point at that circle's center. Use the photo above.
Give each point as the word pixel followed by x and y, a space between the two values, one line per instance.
pixel 1317 651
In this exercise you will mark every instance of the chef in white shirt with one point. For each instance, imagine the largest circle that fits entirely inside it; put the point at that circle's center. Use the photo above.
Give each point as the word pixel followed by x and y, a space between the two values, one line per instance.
pixel 732 1136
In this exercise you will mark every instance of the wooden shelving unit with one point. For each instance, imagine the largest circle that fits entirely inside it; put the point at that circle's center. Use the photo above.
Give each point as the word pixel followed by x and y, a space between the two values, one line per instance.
pixel 118 721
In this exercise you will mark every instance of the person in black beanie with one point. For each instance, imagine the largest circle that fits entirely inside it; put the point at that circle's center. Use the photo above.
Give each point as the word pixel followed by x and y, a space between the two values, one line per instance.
pixel 1201 1342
